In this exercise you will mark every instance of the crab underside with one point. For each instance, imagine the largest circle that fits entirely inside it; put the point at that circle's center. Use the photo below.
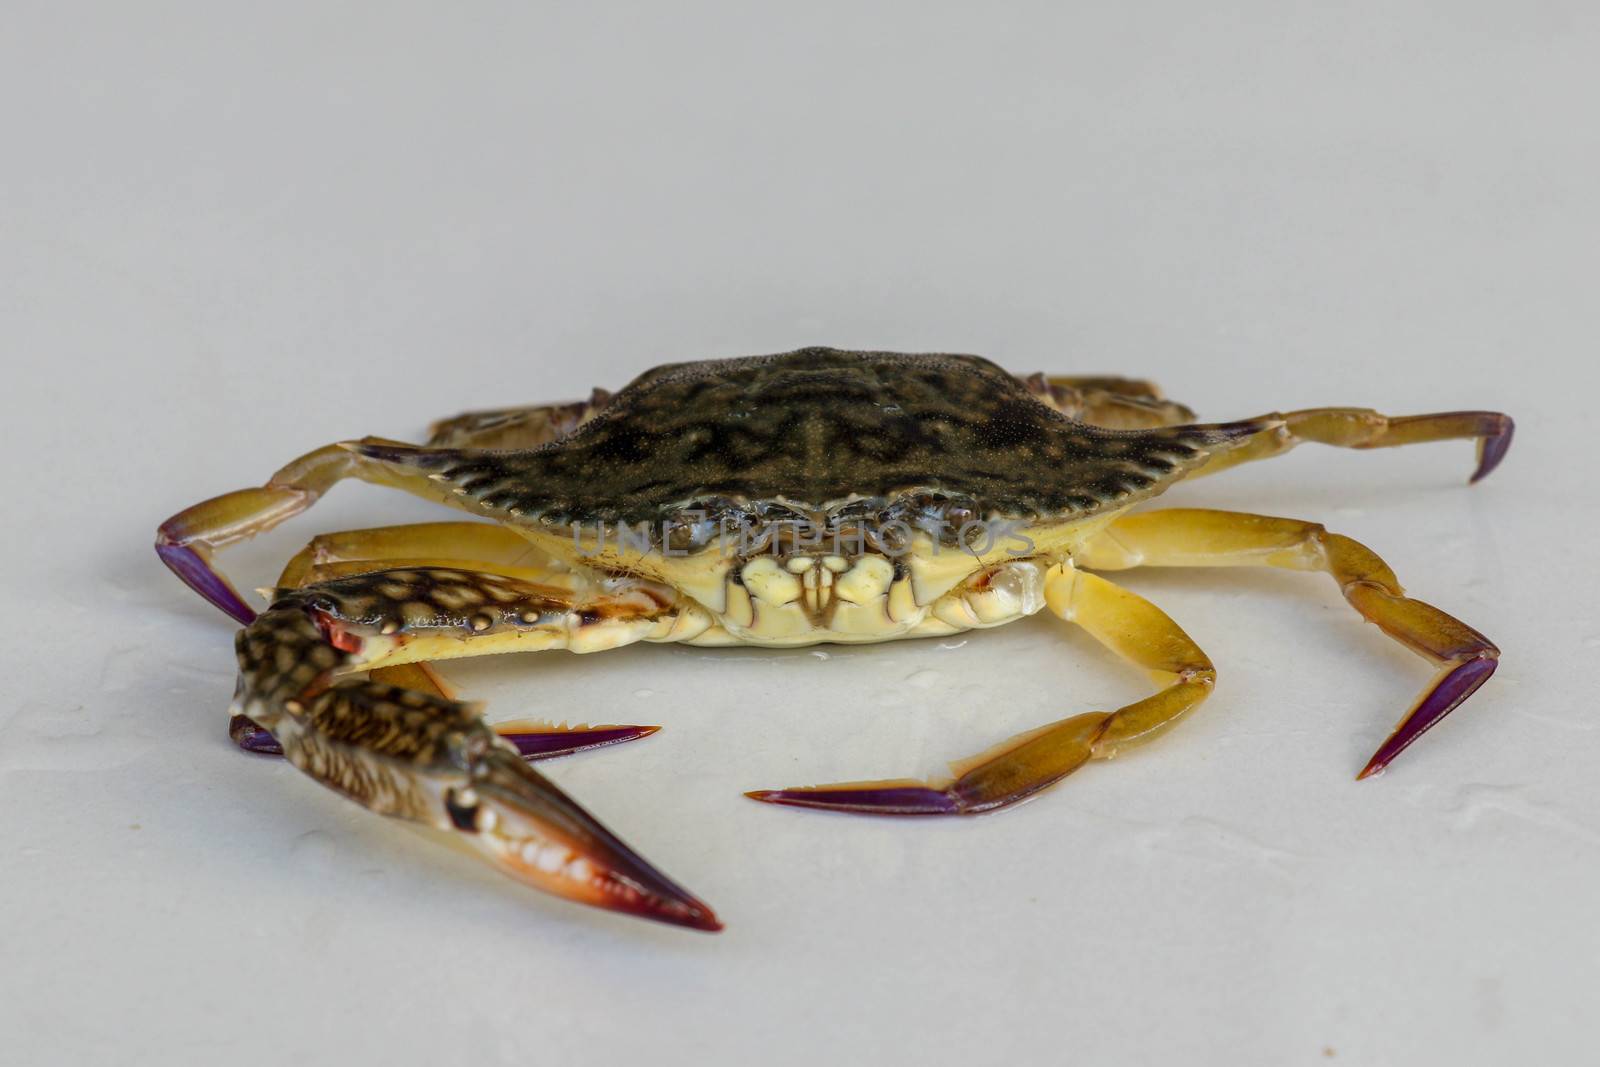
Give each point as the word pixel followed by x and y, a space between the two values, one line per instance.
pixel 818 495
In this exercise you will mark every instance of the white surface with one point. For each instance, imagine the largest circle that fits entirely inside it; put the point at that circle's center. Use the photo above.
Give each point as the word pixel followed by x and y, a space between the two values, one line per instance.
pixel 231 236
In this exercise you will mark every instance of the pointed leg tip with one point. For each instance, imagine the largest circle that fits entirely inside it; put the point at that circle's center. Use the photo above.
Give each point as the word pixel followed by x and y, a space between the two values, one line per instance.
pixel 197 574
pixel 548 744
pixel 1452 688
pixel 1492 449
pixel 866 799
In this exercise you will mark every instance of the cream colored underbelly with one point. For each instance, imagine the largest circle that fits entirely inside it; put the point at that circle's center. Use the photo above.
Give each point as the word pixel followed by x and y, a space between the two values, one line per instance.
pixel 860 614
pixel 1003 594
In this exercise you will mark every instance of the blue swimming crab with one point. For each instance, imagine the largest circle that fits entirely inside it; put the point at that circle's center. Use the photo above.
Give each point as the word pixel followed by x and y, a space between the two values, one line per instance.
pixel 814 496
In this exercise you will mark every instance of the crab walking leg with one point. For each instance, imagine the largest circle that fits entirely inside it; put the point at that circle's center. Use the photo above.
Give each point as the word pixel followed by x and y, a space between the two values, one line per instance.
pixel 1361 428
pixel 1130 626
pixel 187 541
pixel 1115 403
pixel 525 427
pixel 417 755
pixel 471 545
pixel 1201 538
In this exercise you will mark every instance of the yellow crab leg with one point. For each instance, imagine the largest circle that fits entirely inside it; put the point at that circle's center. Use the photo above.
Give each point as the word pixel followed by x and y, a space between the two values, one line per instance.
pixel 1130 626
pixel 187 541
pixel 472 545
pixel 1362 428
pixel 1201 538
pixel 418 755
pixel 1115 403
pixel 524 427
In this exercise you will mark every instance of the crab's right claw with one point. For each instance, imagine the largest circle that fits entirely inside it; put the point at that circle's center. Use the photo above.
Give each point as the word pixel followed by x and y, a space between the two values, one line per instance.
pixel 424 757
pixel 538 835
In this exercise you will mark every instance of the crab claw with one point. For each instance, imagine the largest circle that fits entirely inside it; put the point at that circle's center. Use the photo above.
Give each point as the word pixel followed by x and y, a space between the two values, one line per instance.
pixel 532 741
pixel 424 757
pixel 538 835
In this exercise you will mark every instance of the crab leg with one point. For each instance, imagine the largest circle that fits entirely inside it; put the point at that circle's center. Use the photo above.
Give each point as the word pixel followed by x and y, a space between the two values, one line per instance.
pixel 524 427
pixel 187 541
pixel 417 755
pixel 480 546
pixel 1200 538
pixel 1361 428
pixel 1125 623
pixel 1115 403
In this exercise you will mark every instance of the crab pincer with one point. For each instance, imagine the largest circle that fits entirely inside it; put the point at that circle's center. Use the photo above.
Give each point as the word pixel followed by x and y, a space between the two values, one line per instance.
pixel 424 757
pixel 531 741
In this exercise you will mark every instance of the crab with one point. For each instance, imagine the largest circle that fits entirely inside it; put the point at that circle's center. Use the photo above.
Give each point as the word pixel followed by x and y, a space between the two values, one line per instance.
pixel 813 496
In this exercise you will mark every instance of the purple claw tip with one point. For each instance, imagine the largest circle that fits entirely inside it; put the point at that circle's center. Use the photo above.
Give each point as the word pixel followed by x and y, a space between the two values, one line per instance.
pixel 550 743
pixel 1455 687
pixel 187 564
pixel 1494 449
pixel 252 737
pixel 871 800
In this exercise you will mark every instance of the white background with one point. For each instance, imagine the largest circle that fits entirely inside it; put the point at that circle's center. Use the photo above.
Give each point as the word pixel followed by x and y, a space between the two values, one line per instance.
pixel 232 233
